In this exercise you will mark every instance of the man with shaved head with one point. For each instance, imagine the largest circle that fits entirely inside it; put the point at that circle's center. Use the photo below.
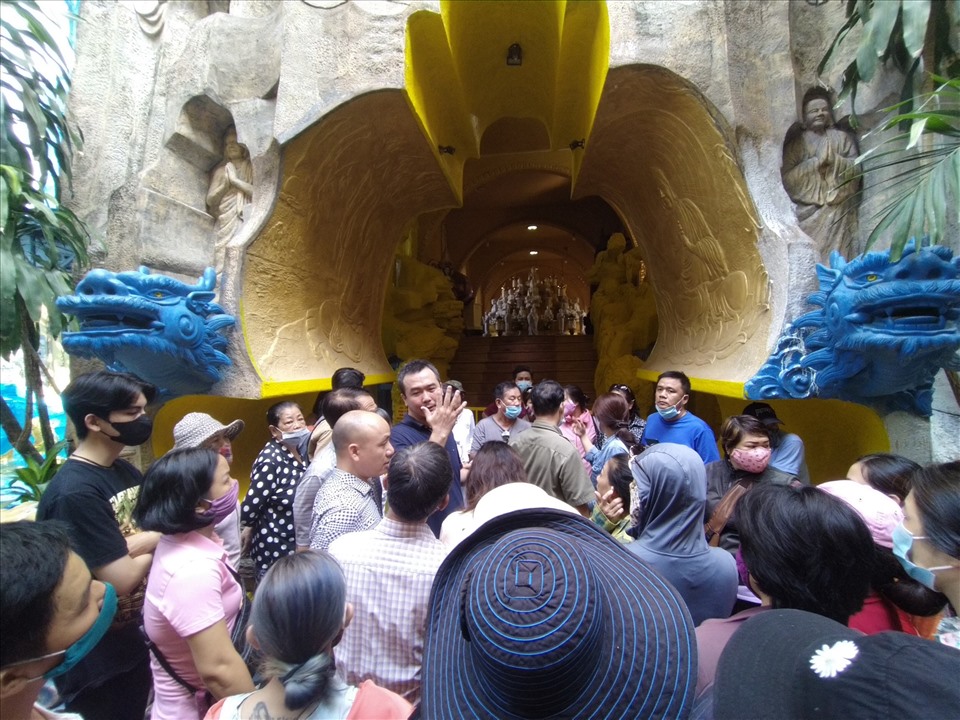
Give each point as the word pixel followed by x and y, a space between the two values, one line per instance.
pixel 335 405
pixel 346 502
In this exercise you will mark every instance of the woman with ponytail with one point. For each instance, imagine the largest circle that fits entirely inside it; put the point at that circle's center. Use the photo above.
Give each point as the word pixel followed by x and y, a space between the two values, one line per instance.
pixel 613 415
pixel 299 615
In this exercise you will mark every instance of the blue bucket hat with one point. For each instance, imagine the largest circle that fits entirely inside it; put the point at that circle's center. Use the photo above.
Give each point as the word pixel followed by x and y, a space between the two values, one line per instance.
pixel 539 613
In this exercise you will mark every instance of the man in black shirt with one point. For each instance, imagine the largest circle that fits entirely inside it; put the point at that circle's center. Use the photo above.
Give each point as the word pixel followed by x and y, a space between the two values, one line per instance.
pixel 94 493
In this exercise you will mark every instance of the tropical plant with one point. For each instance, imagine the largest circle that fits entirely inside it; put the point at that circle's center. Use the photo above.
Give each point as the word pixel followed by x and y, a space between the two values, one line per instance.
pixel 914 37
pixel 926 176
pixel 34 478
pixel 41 241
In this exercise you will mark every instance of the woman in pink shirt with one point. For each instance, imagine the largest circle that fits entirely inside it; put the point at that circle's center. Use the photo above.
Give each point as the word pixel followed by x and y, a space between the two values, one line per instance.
pixel 193 596
pixel 575 408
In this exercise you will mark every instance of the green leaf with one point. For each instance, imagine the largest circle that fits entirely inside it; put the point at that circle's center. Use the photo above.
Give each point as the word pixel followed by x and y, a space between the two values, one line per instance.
pixel 916 130
pixel 916 13
pixel 877 28
pixel 866 57
pixel 923 206
pixel 8 278
pixel 884 20
pixel 4 201
pixel 31 287
pixel 852 20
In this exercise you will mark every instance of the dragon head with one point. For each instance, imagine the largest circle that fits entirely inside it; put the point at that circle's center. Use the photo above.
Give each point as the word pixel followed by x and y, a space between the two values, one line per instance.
pixel 880 332
pixel 155 326
pixel 870 303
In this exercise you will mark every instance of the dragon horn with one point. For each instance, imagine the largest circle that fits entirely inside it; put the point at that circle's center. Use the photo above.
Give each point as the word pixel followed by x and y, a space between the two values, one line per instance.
pixel 209 279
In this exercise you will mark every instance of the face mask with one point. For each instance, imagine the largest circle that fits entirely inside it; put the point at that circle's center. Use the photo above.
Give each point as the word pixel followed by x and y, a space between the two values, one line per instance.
pixel 79 650
pixel 133 433
pixel 221 507
pixel 524 385
pixel 293 438
pixel 226 452
pixel 754 460
pixel 512 411
pixel 902 542
pixel 669 413
pixel 569 407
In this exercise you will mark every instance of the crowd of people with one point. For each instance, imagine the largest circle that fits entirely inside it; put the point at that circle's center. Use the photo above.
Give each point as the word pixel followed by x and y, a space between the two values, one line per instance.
pixel 555 558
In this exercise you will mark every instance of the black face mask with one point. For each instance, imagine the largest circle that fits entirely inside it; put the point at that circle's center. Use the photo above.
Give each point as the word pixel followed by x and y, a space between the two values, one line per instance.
pixel 133 433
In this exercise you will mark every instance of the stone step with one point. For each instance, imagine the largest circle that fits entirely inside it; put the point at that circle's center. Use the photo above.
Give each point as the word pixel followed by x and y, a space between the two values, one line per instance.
pixel 483 362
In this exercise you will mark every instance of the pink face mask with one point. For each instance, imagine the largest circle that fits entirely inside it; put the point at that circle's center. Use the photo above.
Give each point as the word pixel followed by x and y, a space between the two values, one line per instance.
pixel 226 452
pixel 569 407
pixel 754 460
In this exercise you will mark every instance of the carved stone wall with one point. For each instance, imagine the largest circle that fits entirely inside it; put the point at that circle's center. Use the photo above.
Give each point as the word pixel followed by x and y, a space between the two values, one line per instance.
pixel 685 147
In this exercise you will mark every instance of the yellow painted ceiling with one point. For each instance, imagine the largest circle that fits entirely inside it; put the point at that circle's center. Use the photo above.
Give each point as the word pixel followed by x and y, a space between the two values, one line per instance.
pixel 459 83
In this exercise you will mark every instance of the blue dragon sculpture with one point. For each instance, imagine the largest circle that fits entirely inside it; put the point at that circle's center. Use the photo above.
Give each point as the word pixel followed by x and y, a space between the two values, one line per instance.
pixel 154 326
pixel 881 332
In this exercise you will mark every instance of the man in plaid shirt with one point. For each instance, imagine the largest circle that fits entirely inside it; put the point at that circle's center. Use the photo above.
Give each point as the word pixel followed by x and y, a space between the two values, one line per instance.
pixel 390 570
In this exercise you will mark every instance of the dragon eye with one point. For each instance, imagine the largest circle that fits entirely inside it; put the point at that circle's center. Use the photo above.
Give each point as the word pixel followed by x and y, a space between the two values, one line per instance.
pixel 872 277
pixel 159 294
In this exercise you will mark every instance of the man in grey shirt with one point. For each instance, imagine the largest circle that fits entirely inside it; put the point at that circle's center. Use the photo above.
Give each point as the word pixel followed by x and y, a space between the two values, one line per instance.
pixel 505 423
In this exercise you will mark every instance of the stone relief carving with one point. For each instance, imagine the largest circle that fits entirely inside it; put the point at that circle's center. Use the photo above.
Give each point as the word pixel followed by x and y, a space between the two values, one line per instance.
pixel 622 310
pixel 818 173
pixel 154 326
pixel 325 329
pixel 346 198
pixel 880 333
pixel 422 316
pixel 713 303
pixel 231 190
pixel 151 15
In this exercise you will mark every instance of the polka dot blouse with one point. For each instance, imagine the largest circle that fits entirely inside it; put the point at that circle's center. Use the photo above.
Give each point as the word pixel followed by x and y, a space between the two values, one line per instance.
pixel 268 506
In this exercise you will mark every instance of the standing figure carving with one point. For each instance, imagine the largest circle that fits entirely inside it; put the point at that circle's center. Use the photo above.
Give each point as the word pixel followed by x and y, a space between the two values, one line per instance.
pixel 231 188
pixel 818 171
pixel 532 319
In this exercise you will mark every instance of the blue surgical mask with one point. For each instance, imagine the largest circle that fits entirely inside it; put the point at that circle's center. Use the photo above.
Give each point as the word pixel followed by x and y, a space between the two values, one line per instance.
pixel 82 647
pixel 512 411
pixel 524 385
pixel 669 413
pixel 902 543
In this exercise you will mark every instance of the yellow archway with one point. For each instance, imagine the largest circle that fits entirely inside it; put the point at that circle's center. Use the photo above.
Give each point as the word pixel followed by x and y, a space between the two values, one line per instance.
pixel 639 137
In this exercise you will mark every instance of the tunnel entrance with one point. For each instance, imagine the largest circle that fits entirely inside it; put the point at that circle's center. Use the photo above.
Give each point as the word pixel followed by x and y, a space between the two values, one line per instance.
pixel 454 168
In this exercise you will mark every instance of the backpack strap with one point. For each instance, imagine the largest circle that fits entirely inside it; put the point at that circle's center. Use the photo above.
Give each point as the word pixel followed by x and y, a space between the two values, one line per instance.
pixel 166 665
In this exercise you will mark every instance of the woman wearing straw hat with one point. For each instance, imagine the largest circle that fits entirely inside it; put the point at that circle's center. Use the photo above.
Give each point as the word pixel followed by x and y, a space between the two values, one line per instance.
pixel 198 429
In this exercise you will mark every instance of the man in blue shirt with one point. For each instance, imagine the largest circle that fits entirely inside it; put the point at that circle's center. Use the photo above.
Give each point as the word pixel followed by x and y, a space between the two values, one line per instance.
pixel 431 414
pixel 672 423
